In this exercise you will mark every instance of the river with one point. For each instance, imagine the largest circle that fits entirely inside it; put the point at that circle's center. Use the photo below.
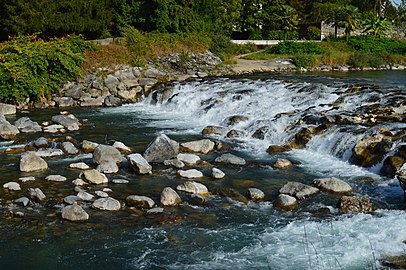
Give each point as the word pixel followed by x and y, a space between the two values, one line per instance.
pixel 222 234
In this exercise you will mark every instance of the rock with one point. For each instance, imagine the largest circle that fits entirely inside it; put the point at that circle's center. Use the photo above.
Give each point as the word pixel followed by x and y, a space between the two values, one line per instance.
pixel 155 210
pixel 69 148
pixel 50 152
pixel 78 182
pixel 355 204
pixel 161 149
pixel 101 194
pixel 174 163
pixel 193 173
pixel 23 200
pixel 394 262
pixel 32 162
pixel 63 102
pixel 112 101
pixel 79 165
pixel 230 159
pixel 55 178
pixel 70 122
pixel 255 194
pixel 142 202
pixel 108 167
pixel 122 147
pixel 282 163
pixel 370 150
pixel 41 142
pixel 87 197
pixel 235 119
pixel 27 179
pixel 214 130
pixel 92 102
pixel 107 204
pixel 154 73
pixel 71 199
pixel 125 74
pixel 36 194
pixel 106 153
pixel 120 181
pixel 170 197
pixel 332 184
pixel 130 95
pixel 391 165
pixel 111 82
pixel 7 109
pixel 201 146
pixel 233 195
pixel 285 202
pixel 107 190
pixel 12 186
pixel 26 125
pixel 139 164
pixel 217 173
pixel 74 213
pixel 188 159
pixel 95 177
pixel 235 134
pixel 194 188
pixel 88 146
pixel 8 131
pixel 74 91
pixel 54 129
pixel 298 190
pixel 401 176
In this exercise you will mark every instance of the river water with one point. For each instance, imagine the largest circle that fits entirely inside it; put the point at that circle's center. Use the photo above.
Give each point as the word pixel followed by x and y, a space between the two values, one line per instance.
pixel 222 234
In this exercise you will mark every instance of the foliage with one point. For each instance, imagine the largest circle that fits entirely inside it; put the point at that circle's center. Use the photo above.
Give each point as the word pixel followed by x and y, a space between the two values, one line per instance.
pixel 376 26
pixel 33 68
pixel 281 35
pixel 313 33
pixel 305 60
pixel 289 47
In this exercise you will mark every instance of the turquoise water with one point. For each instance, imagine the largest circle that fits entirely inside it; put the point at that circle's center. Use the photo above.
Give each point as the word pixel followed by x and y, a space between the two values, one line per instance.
pixel 221 234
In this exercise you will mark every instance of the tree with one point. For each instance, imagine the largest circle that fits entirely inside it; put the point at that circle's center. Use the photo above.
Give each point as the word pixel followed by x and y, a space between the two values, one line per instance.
pixel 376 26
pixel 349 18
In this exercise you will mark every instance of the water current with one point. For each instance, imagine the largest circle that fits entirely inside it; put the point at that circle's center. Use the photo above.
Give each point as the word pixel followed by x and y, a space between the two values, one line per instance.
pixel 224 234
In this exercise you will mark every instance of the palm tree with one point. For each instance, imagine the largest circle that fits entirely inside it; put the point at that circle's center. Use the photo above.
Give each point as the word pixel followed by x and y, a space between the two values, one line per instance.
pixel 376 26
pixel 288 18
pixel 349 18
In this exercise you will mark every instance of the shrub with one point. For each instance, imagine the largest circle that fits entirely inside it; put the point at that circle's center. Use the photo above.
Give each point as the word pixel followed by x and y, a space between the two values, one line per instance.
pixel 33 68
pixel 313 33
pixel 305 60
pixel 289 47
pixel 281 35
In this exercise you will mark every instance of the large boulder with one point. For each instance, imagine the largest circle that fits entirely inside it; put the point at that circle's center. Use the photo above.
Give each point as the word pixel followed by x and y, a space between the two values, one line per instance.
pixel 30 162
pixel 201 146
pixel 285 202
pixel 255 194
pixel 355 204
pixel 74 213
pixel 332 184
pixel 7 130
pixel 401 176
pixel 298 190
pixel 95 177
pixel 7 109
pixel 88 146
pixel 107 204
pixel 370 150
pixel 170 197
pixel 106 153
pixel 142 202
pixel 26 125
pixel 161 149
pixel 230 159
pixel 139 164
pixel 194 188
pixel 69 121
pixel 391 165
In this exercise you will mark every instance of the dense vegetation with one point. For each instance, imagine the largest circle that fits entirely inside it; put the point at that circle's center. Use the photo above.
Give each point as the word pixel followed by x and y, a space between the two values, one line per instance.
pixel 360 51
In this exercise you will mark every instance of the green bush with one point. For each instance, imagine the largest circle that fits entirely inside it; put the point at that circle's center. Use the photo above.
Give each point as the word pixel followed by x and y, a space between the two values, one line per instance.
pixel 313 33
pixel 305 60
pixel 362 59
pixel 33 68
pixel 281 35
pixel 289 47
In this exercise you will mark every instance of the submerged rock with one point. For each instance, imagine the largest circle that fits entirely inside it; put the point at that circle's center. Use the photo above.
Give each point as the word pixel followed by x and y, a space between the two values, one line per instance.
pixel 161 149
pixel 194 188
pixel 298 190
pixel 230 159
pixel 107 204
pixel 285 202
pixel 32 162
pixel 139 164
pixel 193 173
pixel 233 195
pixel 142 202
pixel 332 184
pixel 282 163
pixel 355 204
pixel 201 146
pixel 55 178
pixel 255 194
pixel 74 213
pixel 170 197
